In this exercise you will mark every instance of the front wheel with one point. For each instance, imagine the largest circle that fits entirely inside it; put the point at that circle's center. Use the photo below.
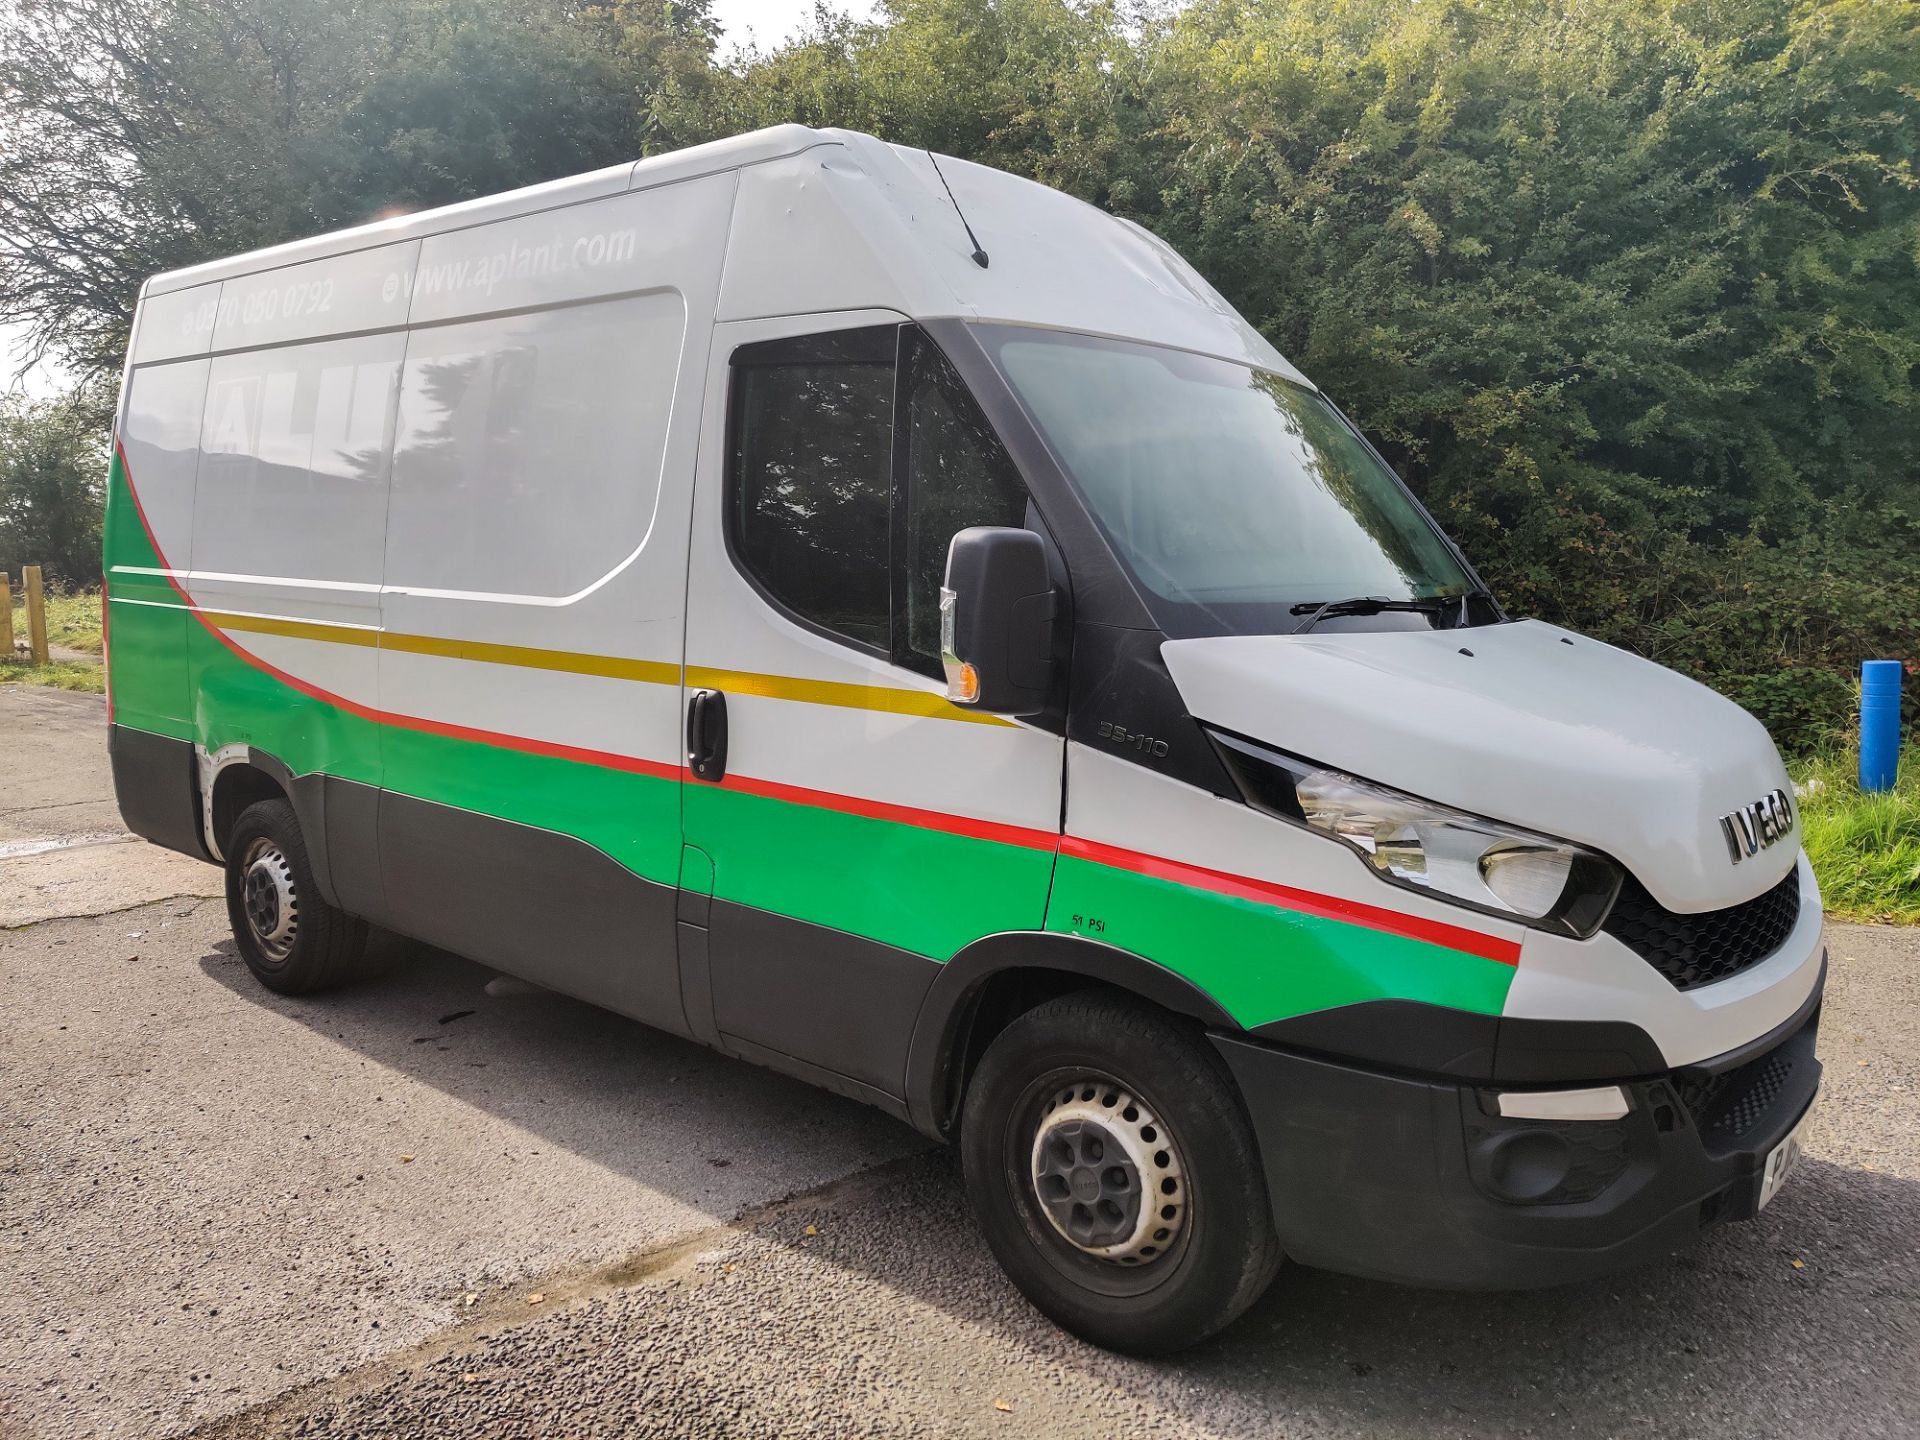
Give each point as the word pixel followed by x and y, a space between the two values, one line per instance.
pixel 1115 1175
pixel 292 940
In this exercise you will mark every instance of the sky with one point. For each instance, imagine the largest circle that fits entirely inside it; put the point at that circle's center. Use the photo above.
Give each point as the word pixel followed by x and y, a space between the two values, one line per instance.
pixel 41 382
pixel 767 23
pixel 772 22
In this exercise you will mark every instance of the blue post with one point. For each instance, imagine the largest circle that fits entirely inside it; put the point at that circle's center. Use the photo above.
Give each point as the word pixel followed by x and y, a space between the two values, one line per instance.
pixel 1879 723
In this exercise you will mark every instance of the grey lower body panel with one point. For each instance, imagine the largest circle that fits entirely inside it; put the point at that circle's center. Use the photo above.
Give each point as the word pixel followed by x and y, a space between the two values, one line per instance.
pixel 832 1000
pixel 547 907
pixel 156 780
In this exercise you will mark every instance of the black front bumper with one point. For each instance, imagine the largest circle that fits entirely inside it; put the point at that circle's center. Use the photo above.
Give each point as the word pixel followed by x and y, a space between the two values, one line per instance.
pixel 1422 1181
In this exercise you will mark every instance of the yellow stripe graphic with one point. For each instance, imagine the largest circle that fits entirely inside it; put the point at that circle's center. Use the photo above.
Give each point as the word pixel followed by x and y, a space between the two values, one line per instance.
pixel 324 631
pixel 834 692
pixel 881 698
pixel 651 672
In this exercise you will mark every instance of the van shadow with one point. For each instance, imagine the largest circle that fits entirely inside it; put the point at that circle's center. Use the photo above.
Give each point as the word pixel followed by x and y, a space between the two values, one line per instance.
pixel 1730 1337
pixel 692 1125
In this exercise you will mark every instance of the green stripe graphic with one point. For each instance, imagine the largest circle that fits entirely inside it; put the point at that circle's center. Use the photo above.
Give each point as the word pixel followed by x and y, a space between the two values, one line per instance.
pixel 905 885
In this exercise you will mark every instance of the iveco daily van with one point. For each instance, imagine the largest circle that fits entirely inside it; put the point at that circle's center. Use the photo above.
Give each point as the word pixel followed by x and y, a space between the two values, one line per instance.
pixel 894 623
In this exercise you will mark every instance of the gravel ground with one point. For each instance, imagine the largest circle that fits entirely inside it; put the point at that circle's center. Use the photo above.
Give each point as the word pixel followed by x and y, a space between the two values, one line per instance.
pixel 424 1208
pixel 874 1310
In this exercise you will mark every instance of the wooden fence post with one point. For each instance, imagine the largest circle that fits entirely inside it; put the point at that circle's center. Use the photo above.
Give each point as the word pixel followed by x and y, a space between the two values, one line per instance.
pixel 36 614
pixel 6 617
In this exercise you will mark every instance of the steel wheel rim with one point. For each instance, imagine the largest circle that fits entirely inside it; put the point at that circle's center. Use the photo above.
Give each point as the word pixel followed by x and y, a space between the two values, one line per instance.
pixel 269 899
pixel 1137 1246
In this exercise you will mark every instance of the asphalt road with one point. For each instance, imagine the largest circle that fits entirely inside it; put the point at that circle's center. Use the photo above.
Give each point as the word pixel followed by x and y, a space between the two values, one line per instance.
pixel 430 1207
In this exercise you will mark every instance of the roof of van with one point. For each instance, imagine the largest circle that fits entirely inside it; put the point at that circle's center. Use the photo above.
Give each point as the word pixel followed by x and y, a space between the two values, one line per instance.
pixel 756 146
pixel 828 220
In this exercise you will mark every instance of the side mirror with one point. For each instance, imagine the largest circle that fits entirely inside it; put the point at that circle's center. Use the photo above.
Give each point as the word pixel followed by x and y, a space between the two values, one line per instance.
pixel 996 621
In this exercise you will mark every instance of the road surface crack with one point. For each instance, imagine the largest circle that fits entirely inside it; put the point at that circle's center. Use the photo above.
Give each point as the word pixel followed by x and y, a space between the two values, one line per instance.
pixel 506 1307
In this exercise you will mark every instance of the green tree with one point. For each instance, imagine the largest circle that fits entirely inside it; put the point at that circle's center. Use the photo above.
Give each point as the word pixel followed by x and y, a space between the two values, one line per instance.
pixel 1031 86
pixel 52 474
pixel 141 135
pixel 1629 290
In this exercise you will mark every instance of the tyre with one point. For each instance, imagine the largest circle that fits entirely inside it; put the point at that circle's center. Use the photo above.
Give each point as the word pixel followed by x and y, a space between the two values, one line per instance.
pixel 292 940
pixel 1108 1159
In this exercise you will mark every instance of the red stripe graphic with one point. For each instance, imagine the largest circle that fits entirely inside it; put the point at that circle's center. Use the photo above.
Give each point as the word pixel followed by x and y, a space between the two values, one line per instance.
pixel 1305 902
pixel 1265 892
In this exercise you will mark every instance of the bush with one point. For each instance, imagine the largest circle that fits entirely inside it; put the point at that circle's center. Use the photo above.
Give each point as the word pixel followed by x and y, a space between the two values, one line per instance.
pixel 1805 709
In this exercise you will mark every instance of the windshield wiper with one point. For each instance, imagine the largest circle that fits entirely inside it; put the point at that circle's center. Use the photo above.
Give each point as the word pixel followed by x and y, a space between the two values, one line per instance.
pixel 1316 611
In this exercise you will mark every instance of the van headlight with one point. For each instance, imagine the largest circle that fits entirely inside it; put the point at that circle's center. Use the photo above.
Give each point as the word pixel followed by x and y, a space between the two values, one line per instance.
pixel 1465 859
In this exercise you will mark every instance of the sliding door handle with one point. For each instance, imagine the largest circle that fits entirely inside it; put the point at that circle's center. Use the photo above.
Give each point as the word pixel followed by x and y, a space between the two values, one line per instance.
pixel 707 735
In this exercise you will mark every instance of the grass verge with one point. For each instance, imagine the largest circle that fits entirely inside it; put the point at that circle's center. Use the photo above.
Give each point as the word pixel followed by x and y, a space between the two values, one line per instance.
pixel 60 674
pixel 1865 849
pixel 73 623
pixel 73 620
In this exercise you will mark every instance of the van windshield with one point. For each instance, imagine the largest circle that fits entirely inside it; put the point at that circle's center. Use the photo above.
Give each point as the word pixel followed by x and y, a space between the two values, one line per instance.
pixel 1240 501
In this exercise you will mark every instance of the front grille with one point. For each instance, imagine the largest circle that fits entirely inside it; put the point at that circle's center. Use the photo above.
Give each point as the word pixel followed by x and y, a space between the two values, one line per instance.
pixel 1747 1104
pixel 1725 1107
pixel 1694 950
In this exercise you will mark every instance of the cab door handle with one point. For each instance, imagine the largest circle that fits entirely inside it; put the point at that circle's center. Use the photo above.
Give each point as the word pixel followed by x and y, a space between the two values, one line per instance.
pixel 707 735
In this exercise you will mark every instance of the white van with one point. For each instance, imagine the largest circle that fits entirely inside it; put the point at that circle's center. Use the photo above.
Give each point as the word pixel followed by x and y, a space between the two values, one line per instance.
pixel 894 623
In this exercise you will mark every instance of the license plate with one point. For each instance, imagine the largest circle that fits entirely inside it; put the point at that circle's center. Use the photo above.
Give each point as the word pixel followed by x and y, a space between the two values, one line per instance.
pixel 1785 1156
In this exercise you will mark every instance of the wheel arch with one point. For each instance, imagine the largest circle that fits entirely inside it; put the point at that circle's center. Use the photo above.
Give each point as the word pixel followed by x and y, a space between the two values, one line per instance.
pixel 996 979
pixel 236 776
pixel 232 778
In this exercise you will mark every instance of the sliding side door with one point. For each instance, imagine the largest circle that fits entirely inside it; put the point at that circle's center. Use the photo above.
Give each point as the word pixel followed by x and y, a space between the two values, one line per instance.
pixel 548 421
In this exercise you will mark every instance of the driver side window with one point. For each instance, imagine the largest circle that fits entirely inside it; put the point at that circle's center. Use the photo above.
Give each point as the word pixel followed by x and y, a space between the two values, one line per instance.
pixel 855 457
pixel 810 480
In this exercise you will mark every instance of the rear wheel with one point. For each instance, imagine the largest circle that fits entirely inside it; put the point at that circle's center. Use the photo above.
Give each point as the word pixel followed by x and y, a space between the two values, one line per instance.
pixel 292 940
pixel 1115 1176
